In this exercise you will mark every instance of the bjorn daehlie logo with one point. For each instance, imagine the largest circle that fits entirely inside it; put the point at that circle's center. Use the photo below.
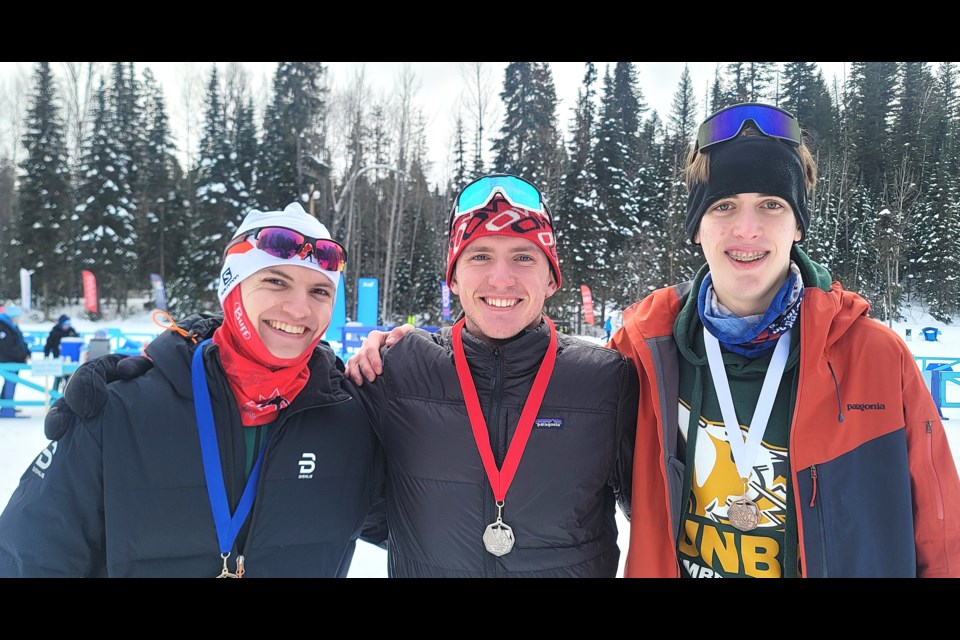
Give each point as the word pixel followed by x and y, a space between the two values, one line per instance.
pixel 44 459
pixel 308 464
pixel 876 406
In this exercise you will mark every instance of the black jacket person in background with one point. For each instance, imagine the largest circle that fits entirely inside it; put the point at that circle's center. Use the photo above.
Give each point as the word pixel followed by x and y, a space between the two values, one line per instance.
pixel 63 329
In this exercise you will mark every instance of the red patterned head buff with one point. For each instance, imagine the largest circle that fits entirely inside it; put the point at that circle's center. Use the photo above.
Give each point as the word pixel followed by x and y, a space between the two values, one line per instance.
pixel 500 218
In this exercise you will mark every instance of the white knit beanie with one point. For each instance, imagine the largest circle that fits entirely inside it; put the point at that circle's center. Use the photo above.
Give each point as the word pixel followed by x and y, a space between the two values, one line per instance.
pixel 238 266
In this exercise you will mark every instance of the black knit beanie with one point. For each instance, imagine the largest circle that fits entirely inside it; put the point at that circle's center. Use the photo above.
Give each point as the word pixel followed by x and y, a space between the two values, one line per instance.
pixel 751 164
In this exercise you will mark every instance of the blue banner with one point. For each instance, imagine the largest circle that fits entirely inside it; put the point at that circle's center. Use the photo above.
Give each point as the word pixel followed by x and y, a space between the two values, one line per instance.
pixel 339 317
pixel 368 301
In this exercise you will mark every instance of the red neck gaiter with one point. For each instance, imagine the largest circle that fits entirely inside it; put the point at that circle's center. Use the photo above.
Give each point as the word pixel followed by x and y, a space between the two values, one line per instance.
pixel 261 383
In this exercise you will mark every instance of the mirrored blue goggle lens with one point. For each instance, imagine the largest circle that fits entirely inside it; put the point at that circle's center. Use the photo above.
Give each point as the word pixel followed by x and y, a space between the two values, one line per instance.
pixel 519 192
pixel 727 124
pixel 286 243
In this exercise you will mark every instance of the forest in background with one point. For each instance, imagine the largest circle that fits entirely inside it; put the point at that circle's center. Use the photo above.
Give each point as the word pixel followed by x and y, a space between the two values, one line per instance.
pixel 97 183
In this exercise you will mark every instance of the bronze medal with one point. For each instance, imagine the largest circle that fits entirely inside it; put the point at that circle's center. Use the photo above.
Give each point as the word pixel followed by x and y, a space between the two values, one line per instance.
pixel 744 514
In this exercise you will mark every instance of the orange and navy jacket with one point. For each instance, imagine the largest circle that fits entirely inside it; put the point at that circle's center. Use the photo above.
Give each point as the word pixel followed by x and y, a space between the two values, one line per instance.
pixel 874 482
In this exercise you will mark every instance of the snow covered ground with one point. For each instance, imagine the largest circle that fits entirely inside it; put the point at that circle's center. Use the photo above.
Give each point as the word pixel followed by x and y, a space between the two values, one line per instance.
pixel 21 439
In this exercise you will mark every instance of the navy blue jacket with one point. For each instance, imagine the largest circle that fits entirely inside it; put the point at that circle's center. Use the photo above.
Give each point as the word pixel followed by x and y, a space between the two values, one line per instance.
pixel 123 494
pixel 13 348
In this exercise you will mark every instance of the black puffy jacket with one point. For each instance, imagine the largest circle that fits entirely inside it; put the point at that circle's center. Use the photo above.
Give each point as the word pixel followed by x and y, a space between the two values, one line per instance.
pixel 576 465
pixel 123 494
pixel 13 348
pixel 57 333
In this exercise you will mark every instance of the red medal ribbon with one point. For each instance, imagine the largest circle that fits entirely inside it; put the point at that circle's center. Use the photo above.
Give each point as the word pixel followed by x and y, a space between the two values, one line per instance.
pixel 500 479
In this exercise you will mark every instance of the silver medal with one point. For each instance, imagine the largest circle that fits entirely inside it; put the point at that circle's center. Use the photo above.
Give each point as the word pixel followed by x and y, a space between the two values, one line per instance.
pixel 498 538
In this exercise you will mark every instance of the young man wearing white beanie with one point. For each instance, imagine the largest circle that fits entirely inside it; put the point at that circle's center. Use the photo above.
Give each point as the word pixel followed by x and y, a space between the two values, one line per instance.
pixel 241 455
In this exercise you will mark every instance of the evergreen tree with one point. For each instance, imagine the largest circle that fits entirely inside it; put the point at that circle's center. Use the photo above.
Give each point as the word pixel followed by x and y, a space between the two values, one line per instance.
pixel 577 245
pixel 105 242
pixel 529 141
pixel 220 198
pixel 292 132
pixel 163 223
pixel 869 106
pixel 934 275
pixel 9 261
pixel 243 136
pixel 45 197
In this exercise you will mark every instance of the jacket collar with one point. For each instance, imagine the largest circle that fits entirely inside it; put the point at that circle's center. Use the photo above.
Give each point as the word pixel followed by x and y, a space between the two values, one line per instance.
pixel 171 354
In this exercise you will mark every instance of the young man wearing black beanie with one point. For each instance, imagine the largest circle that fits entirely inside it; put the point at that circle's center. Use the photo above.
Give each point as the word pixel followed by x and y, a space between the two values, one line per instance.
pixel 781 432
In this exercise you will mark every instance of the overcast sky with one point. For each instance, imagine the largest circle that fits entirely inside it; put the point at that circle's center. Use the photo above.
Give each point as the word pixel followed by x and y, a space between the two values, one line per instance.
pixel 441 86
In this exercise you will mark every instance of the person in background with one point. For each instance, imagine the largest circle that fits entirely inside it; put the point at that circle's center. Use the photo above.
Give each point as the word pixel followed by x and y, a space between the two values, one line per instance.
pixel 781 431
pixel 243 454
pixel 608 327
pixel 63 329
pixel 13 349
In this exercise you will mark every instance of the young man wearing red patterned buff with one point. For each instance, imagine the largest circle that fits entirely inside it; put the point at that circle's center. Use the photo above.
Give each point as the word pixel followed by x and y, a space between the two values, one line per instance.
pixel 508 444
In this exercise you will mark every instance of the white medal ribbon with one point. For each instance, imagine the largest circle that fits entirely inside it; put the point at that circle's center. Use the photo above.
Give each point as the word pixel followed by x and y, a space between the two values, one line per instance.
pixel 745 452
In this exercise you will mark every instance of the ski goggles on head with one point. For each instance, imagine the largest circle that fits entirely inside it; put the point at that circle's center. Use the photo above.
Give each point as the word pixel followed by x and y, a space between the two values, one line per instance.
pixel 727 123
pixel 516 191
pixel 285 244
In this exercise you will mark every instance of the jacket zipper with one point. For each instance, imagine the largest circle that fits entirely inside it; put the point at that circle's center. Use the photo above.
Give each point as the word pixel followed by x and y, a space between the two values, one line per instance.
pixel 936 478
pixel 820 526
pixel 499 446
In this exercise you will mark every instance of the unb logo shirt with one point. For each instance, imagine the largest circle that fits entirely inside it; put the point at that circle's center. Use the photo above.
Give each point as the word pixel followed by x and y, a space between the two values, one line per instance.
pixel 708 545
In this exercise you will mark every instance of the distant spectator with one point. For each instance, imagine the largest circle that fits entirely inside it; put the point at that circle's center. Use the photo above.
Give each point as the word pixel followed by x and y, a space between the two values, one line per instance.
pixel 63 329
pixel 608 326
pixel 13 348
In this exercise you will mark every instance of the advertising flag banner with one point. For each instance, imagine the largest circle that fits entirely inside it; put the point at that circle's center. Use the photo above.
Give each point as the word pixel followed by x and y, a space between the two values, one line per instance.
pixel 25 293
pixel 90 292
pixel 587 304
pixel 160 296
pixel 445 300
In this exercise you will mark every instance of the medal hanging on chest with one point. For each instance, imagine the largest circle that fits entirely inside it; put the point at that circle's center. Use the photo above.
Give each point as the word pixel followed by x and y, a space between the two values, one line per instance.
pixel 498 537
pixel 742 512
pixel 227 525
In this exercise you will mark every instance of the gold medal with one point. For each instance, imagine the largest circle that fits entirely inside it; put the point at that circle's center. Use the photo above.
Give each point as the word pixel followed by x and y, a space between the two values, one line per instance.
pixel 225 573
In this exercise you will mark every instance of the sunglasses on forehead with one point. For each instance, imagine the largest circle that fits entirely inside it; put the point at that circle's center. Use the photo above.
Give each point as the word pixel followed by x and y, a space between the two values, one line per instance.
pixel 514 190
pixel 283 243
pixel 726 124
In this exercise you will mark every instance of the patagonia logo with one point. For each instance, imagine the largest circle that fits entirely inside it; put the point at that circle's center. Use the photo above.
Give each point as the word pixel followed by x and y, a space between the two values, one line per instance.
pixel 548 423
pixel 876 406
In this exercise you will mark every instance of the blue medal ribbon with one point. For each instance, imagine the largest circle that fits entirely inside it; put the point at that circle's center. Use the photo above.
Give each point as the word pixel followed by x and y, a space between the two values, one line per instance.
pixel 227 526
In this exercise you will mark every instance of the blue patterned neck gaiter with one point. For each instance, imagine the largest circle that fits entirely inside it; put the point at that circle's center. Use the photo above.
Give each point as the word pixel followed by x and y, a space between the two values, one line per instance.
pixel 752 336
